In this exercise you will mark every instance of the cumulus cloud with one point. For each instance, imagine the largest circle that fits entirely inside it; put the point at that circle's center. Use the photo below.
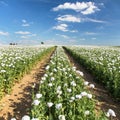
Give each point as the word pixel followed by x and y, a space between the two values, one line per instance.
pixel 90 9
pixel 71 18
pixel 22 32
pixel 68 18
pixel 64 28
pixel 84 7
pixel 25 23
pixel 4 33
pixel 61 27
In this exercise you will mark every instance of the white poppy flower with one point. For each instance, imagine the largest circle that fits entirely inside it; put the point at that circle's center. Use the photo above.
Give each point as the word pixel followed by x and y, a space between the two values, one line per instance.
pixel 50 84
pixel 35 119
pixel 47 67
pixel 25 117
pixel 110 113
pixel 43 78
pixel 61 117
pixel 86 83
pixel 38 95
pixel 52 79
pixel 92 86
pixel 70 101
pixel 59 87
pixel 72 98
pixel 83 93
pixel 89 96
pixel 3 71
pixel 81 73
pixel 73 83
pixel 13 119
pixel 87 112
pixel 69 90
pixel 65 85
pixel 36 102
pixel 49 104
pixel 58 106
pixel 78 96
pixel 46 75
pixel 41 82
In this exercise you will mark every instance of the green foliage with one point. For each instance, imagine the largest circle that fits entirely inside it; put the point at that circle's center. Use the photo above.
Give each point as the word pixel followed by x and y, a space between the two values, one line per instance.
pixel 15 62
pixel 103 63
pixel 62 94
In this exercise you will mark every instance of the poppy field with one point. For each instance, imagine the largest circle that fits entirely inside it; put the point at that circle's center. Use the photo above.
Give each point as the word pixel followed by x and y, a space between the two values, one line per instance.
pixel 103 63
pixel 62 92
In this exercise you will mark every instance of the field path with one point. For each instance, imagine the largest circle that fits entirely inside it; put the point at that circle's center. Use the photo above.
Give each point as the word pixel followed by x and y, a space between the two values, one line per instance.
pixel 17 104
pixel 104 100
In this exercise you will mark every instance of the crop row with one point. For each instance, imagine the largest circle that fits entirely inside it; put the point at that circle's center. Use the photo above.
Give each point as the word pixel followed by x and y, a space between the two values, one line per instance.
pixel 103 63
pixel 15 62
pixel 63 94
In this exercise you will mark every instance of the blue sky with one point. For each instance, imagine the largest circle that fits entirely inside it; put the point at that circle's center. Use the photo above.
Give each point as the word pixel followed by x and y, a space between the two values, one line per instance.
pixel 68 22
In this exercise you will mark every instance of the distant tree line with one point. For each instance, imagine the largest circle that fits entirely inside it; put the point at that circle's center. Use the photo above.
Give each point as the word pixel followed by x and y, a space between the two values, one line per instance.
pixel 13 44
pixel 17 44
pixel 42 42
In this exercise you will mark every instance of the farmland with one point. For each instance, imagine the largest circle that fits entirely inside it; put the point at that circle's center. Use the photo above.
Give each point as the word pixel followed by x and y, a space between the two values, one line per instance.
pixel 61 92
pixel 15 62
pixel 103 63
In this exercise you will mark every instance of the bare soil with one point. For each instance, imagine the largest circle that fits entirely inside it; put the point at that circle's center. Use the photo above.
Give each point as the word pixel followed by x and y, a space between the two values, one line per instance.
pixel 18 103
pixel 104 100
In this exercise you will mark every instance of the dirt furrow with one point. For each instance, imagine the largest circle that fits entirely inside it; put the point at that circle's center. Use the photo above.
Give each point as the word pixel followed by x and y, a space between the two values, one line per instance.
pixel 18 103
pixel 104 100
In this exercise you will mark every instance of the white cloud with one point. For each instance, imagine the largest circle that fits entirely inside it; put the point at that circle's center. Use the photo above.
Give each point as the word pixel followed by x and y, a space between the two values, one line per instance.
pixel 64 28
pixel 90 33
pixel 71 18
pixel 4 33
pixel 25 23
pixel 73 31
pixel 91 9
pixel 68 18
pixel 22 32
pixel 94 20
pixel 61 27
pixel 83 7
